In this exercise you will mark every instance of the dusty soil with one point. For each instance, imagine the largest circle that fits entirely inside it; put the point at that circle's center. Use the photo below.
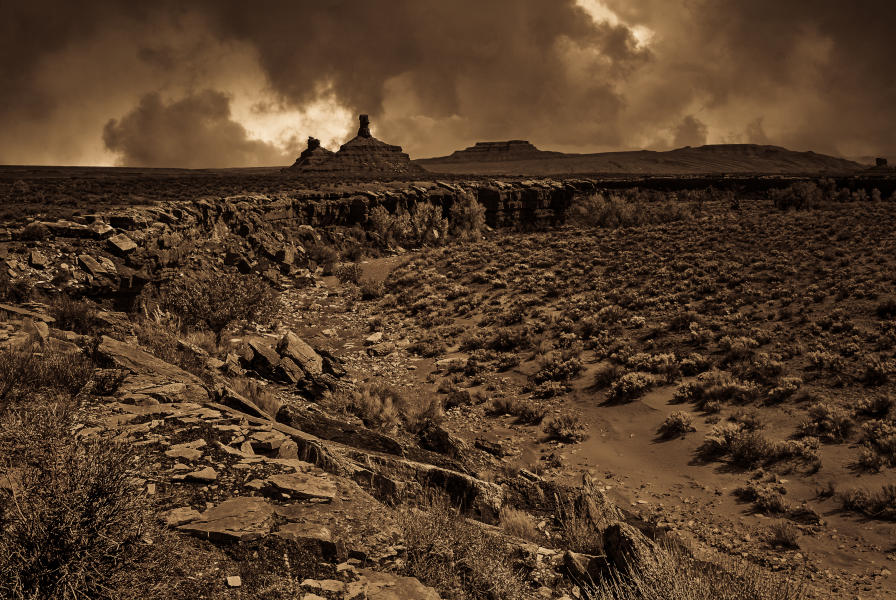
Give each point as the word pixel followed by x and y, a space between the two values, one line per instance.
pixel 756 293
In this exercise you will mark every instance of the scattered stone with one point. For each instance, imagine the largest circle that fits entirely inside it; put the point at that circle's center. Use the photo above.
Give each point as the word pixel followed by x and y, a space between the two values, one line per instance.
pixel 180 516
pixel 234 520
pixel 234 581
pixel 293 347
pixel 301 486
pixel 121 244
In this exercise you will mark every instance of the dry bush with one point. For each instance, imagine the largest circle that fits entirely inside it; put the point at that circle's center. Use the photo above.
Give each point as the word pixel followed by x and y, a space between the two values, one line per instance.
pixel 24 373
pixel 78 525
pixel 748 449
pixel 615 211
pixel 324 256
pixel 784 534
pixel 714 387
pixel 566 428
pixel 260 395
pixel 466 218
pixel 217 300
pixel 371 289
pixel 527 412
pixel 827 422
pixel 349 273
pixel 519 523
pixel 458 558
pixel 676 424
pixel 160 338
pixel 874 505
pixel 630 387
pixel 385 407
pixel 673 575
pixel 73 315
pixel 798 196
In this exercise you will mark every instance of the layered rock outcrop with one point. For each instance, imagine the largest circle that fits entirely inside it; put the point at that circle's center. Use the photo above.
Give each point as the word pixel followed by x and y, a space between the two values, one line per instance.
pixel 363 156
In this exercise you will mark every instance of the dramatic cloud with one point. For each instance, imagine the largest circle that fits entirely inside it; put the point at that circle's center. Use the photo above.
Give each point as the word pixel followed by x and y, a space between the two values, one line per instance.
pixel 194 132
pixel 575 75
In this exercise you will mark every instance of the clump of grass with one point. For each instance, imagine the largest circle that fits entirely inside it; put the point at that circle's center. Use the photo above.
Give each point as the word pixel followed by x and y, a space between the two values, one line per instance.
pixel 566 428
pixel 629 387
pixel 527 412
pixel 458 558
pixel 371 289
pixel 748 449
pixel 672 574
pixel 676 424
pixel 875 505
pixel 784 534
pixel 74 315
pixel 260 395
pixel 519 523
pixel 26 373
pixel 385 407
pixel 78 524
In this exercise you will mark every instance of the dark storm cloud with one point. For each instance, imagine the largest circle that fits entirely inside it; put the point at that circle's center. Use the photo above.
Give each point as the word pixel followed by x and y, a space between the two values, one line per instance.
pixel 690 132
pixel 194 132
pixel 436 75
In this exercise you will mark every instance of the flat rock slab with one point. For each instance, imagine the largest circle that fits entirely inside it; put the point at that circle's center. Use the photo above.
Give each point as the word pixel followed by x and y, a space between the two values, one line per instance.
pixel 158 375
pixel 180 516
pixel 385 586
pixel 295 348
pixel 302 486
pixel 234 520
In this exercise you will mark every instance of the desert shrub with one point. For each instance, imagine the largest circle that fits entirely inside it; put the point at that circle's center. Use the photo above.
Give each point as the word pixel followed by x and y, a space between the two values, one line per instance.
pixel 716 386
pixel 382 406
pixel 786 388
pixel 458 558
pixel 14 291
pixel 73 315
pixel 34 232
pixel 217 300
pixel 25 373
pixel 827 422
pixel 527 412
pixel 880 437
pixel 519 523
pixel 672 574
pixel 784 534
pixel 79 525
pixel 566 428
pixel 676 424
pixel 613 211
pixel 798 196
pixel 629 387
pixel 557 367
pixel 606 375
pixel 874 406
pixel 371 289
pixel 877 371
pixel 348 273
pixel 324 256
pixel 260 395
pixel 466 218
pixel 880 504
pixel 749 449
pixel 428 226
pixel 886 309
pixel 428 347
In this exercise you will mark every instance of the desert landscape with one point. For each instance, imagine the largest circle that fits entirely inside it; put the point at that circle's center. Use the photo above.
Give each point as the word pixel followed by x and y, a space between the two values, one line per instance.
pixel 616 320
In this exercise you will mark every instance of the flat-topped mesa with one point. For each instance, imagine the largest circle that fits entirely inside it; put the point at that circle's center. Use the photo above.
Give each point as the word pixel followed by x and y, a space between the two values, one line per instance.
pixel 496 151
pixel 362 156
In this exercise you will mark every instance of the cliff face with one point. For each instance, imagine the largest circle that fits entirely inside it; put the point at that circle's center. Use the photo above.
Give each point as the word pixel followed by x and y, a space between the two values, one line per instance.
pixel 116 253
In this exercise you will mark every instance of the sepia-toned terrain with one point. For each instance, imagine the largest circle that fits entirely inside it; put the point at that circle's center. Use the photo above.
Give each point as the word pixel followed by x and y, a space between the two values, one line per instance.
pixel 244 384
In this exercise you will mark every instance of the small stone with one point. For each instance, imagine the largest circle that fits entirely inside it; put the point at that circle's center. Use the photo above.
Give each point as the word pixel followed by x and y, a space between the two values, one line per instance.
pixel 374 338
pixel 234 581
pixel 205 475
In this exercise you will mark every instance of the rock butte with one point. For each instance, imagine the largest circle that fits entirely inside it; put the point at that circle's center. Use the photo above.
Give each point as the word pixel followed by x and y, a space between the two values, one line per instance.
pixel 362 156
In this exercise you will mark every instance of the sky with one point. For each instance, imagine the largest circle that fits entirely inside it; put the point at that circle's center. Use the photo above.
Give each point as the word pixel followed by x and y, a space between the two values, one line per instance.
pixel 224 83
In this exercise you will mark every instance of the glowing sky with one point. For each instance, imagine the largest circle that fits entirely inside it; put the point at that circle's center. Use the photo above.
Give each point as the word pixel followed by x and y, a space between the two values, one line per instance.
pixel 213 83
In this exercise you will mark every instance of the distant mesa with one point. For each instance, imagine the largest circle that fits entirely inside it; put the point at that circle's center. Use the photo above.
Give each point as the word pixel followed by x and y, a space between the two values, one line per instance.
pixel 362 156
pixel 500 151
